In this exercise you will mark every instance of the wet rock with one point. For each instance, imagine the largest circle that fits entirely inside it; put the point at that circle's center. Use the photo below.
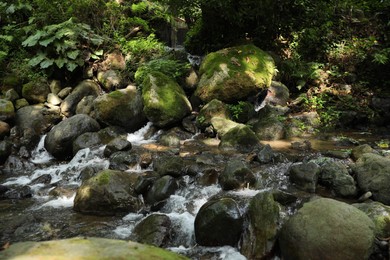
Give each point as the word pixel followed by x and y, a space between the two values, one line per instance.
pixel 153 230
pixel 109 79
pixel 108 193
pixel 7 110
pixel 86 140
pixel 214 108
pixel 19 193
pixel 260 235
pixel 59 141
pixel 5 150
pixel 121 108
pixel 305 176
pixel 123 160
pixel 169 165
pixel 63 192
pixel 83 89
pixel 3 190
pixel 234 74
pixel 373 174
pixel 16 165
pixel 165 102
pixel 189 124
pixel 284 198
pixel 241 138
pixel 36 91
pixel 145 181
pixel 43 179
pixel 161 189
pixel 118 144
pixel 145 160
pixel 218 223
pixel 265 154
pixel 109 133
pixel 83 248
pixel 335 176
pixel 327 229
pixel 379 214
pixel 339 154
pixel 358 151
pixel 236 175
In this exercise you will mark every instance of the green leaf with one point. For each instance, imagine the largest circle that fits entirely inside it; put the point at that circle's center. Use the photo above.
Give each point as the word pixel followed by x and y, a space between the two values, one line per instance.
pixel 37 59
pixel 7 38
pixel 33 39
pixel 60 62
pixel 46 63
pixel 73 54
pixel 47 41
pixel 71 66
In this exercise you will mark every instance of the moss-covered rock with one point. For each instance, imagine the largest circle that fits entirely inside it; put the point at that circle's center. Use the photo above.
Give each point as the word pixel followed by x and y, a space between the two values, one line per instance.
pixel 86 248
pixel 36 91
pixel 379 214
pixel 223 125
pixel 165 102
pixel 7 110
pixel 215 108
pixel 241 138
pixel 108 193
pixel 236 175
pixel 234 73
pixel 122 108
pixel 156 230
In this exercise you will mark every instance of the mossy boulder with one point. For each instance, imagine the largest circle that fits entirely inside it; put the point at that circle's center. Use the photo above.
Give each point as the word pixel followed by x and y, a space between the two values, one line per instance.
pixel 235 73
pixel 379 214
pixel 7 110
pixel 236 175
pixel 122 108
pixel 305 175
pixel 215 108
pixel 36 91
pixel 86 248
pixel 241 138
pixel 156 230
pixel 327 229
pixel 108 193
pixel 165 102
pixel 223 125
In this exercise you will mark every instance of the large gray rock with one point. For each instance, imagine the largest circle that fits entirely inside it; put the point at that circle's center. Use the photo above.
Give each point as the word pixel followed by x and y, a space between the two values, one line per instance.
pixel 234 74
pixel 164 100
pixel 218 223
pixel 260 235
pixel 83 89
pixel 373 174
pixel 236 175
pixel 122 108
pixel 335 175
pixel 327 229
pixel 59 141
pixel 86 248
pixel 305 175
pixel 108 193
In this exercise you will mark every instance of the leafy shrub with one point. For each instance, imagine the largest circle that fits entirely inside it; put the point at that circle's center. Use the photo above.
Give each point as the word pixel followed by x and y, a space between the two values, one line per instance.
pixel 66 45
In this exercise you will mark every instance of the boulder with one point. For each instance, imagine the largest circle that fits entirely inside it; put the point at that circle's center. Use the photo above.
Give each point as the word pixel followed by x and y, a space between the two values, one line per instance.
pixel 234 74
pixel 173 137
pixel 4 129
pixel 165 102
pixel 169 165
pixel 218 223
pixel 7 110
pixel 236 175
pixel 335 175
pixel 86 140
pixel 358 151
pixel 305 175
pixel 53 99
pixel 59 141
pixel 12 95
pixel 214 108
pixel 108 193
pixel 22 102
pixel 36 91
pixel 241 138
pixel 37 117
pixel 86 106
pixel 327 229
pixel 373 174
pixel 86 248
pixel 118 144
pixel 379 214
pixel 161 189
pixel 122 108
pixel 123 160
pixel 223 125
pixel 269 129
pixel 83 89
pixel 153 230
pixel 278 94
pixel 260 235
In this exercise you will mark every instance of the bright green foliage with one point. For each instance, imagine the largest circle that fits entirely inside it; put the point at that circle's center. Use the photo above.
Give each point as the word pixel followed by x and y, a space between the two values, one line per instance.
pixel 67 44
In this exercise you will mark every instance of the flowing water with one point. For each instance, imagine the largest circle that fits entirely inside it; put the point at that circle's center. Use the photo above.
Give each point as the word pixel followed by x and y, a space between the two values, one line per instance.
pixel 48 214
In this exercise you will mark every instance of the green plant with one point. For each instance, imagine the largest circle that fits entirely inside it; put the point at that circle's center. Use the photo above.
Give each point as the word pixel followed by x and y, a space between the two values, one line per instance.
pixel 66 45
pixel 237 109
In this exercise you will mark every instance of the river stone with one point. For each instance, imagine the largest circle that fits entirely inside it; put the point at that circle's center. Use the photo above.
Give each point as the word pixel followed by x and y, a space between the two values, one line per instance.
pixel 335 175
pixel 122 108
pixel 241 138
pixel 214 108
pixel 83 89
pixel 278 94
pixel 161 189
pixel 236 175
pixel 7 110
pixel 223 125
pixel 144 181
pixel 36 91
pixel 259 236
pixel 234 74
pixel 358 151
pixel 327 229
pixel 86 140
pixel 165 102
pixel 123 160
pixel 373 174
pixel 86 106
pixel 4 129
pixel 53 99
pixel 218 223
pixel 64 92
pixel 305 176
pixel 269 129
pixel 59 141
pixel 86 248
pixel 173 137
pixel 118 144
pixel 379 214
pixel 108 193
pixel 169 165
pixel 109 79
pixel 153 230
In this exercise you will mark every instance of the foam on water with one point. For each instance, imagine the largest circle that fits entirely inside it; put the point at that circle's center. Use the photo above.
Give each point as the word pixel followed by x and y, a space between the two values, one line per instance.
pixel 138 137
pixel 60 202
pixel 40 155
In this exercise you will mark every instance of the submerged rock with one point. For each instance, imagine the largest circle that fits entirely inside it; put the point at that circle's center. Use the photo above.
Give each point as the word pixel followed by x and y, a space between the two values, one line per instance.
pixel 327 229
pixel 86 248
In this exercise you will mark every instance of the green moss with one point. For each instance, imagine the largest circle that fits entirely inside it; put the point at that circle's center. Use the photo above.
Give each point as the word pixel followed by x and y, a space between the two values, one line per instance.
pixel 117 94
pixel 103 178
